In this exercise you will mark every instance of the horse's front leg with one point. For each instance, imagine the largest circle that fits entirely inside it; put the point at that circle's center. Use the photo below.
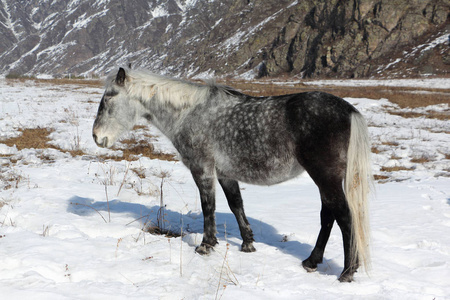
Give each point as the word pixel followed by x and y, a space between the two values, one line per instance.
pixel 205 184
pixel 233 194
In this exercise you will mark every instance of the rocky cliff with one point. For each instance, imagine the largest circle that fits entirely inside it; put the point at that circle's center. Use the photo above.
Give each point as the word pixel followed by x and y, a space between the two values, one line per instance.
pixel 304 38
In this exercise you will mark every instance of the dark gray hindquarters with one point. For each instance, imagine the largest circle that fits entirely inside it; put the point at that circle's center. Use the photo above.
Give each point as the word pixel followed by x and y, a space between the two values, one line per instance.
pixel 320 123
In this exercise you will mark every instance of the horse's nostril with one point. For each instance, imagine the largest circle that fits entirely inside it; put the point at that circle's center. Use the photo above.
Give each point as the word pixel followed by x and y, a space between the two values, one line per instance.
pixel 100 142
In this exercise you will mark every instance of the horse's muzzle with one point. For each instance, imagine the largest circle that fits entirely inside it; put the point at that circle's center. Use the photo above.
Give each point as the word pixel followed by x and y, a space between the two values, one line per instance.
pixel 101 143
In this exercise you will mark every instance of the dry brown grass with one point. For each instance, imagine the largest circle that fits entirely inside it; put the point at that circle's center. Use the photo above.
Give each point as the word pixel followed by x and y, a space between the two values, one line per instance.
pixel 395 169
pixel 375 150
pixel 390 143
pixel 134 149
pixel 393 156
pixel 38 138
pixel 440 115
pixel 31 138
pixel 380 177
pixel 403 96
pixel 421 159
pixel 60 81
pixel 162 231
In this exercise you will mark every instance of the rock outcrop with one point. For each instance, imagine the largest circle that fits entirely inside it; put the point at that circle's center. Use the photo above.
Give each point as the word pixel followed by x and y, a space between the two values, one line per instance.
pixel 308 38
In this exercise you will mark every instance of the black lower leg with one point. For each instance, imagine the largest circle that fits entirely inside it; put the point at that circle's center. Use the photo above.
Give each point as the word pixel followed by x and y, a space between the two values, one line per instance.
pixel 316 257
pixel 207 197
pixel 233 194
pixel 343 219
pixel 209 229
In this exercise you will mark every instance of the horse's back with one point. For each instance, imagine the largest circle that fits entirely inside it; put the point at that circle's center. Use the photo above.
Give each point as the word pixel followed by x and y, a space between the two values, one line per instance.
pixel 318 110
pixel 270 140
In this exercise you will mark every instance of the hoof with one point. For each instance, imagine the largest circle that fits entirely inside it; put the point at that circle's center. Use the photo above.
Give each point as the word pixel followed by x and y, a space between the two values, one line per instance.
pixel 248 247
pixel 347 275
pixel 203 249
pixel 346 278
pixel 309 267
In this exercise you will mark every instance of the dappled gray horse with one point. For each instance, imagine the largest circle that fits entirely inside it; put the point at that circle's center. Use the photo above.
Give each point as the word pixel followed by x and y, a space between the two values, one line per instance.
pixel 223 134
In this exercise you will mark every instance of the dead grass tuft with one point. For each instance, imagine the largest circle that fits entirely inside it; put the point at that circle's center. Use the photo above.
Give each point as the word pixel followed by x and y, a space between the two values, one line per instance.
pixel 395 169
pixel 420 159
pixel 393 156
pixel 134 149
pixel 140 172
pixel 10 180
pixel 380 177
pixel 375 150
pixel 160 231
pixel 36 138
pixel 390 143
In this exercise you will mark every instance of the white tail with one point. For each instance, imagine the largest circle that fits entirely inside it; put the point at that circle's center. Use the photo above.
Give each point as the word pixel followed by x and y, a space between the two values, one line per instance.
pixel 357 184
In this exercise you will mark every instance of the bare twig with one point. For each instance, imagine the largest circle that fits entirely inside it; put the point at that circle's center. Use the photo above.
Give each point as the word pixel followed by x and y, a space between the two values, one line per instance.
pixel 181 247
pixel 124 179
pixel 74 203
pixel 107 202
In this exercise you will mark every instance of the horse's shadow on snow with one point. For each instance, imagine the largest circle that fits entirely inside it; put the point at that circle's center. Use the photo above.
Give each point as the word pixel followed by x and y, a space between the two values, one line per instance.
pixel 193 223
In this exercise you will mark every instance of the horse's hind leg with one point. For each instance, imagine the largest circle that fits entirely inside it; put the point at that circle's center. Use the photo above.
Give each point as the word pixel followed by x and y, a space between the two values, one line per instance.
pixel 233 194
pixel 334 207
pixel 333 198
pixel 344 220
pixel 316 257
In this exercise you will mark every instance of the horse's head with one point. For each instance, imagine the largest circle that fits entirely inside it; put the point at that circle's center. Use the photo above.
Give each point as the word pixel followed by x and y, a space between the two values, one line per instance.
pixel 117 112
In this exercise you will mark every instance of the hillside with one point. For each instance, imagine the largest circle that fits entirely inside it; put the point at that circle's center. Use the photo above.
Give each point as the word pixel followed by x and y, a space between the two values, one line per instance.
pixel 247 38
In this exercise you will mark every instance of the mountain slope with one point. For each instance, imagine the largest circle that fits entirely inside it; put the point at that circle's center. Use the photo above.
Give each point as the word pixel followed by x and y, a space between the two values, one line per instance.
pixel 232 37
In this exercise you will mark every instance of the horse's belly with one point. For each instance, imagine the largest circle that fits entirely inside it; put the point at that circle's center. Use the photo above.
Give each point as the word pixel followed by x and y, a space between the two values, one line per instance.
pixel 268 172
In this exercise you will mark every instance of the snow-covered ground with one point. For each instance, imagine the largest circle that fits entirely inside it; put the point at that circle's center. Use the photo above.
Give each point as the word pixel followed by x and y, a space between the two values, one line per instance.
pixel 434 83
pixel 59 240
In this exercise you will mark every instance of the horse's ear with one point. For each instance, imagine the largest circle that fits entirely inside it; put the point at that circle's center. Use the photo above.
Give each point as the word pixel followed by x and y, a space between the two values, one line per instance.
pixel 121 76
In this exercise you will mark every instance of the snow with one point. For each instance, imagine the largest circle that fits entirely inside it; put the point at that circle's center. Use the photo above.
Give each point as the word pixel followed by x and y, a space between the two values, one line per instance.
pixel 436 83
pixel 83 21
pixel 425 47
pixel 392 63
pixel 186 4
pixel 239 37
pixel 159 11
pixel 56 240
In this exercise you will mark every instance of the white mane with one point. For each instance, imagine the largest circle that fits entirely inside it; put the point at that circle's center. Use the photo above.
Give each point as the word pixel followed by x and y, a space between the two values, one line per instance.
pixel 145 86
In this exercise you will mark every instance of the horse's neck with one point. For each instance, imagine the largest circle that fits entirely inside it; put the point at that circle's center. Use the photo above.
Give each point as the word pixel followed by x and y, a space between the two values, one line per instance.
pixel 164 117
